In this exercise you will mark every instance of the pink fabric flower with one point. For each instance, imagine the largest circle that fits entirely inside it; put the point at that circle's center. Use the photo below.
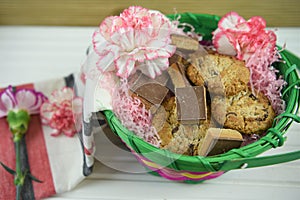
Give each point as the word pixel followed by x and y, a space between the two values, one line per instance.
pixel 251 42
pixel 62 112
pixel 23 99
pixel 137 39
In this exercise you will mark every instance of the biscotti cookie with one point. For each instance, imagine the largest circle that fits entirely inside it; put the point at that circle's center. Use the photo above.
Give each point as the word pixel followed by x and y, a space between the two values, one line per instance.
pixel 243 112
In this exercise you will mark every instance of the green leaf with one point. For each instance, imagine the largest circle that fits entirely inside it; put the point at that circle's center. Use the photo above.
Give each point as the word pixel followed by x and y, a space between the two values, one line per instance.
pixel 11 171
pixel 34 178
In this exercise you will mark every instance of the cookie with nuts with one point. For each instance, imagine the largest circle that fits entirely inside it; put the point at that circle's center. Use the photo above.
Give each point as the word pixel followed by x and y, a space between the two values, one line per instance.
pixel 223 75
pixel 244 112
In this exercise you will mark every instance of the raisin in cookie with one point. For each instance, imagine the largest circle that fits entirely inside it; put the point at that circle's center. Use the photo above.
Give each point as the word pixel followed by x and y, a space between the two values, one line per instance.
pixel 244 112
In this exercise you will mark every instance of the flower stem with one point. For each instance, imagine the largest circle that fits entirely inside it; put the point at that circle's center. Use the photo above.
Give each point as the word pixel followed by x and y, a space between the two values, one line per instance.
pixel 19 177
pixel 18 163
pixel 18 192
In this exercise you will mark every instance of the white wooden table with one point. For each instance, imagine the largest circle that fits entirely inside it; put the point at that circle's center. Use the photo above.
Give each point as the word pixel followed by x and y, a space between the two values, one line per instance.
pixel 29 54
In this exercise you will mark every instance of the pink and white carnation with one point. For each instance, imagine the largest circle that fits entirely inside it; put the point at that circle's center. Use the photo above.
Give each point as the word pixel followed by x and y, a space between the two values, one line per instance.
pixel 251 42
pixel 62 112
pixel 137 39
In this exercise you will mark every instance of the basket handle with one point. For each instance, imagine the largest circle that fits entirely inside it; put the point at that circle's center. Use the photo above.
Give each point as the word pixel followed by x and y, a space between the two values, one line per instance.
pixel 243 163
pixel 250 162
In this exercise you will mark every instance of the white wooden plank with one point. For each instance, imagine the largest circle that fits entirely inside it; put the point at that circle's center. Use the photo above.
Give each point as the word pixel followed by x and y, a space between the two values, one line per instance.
pixel 217 189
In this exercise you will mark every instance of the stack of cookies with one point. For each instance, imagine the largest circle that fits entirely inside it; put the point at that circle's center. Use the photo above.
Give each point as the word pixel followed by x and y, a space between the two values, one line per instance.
pixel 202 105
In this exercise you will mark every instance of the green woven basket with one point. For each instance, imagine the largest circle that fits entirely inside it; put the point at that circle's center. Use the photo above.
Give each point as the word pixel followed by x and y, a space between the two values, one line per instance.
pixel 197 168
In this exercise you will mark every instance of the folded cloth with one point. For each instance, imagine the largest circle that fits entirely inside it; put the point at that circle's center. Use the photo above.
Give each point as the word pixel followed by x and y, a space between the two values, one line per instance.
pixel 59 162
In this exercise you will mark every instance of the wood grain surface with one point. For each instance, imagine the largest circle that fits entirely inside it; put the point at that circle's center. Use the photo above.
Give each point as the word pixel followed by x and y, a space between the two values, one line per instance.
pixel 278 13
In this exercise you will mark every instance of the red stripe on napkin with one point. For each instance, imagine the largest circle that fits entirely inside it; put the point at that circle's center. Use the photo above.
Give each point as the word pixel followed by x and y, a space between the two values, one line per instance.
pixel 7 157
pixel 37 158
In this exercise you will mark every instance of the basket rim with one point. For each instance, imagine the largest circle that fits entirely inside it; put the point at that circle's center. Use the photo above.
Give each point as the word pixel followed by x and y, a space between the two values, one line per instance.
pixel 272 139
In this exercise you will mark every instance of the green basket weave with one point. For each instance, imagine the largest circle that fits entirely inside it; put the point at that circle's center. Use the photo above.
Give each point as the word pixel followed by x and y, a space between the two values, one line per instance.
pixel 197 168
